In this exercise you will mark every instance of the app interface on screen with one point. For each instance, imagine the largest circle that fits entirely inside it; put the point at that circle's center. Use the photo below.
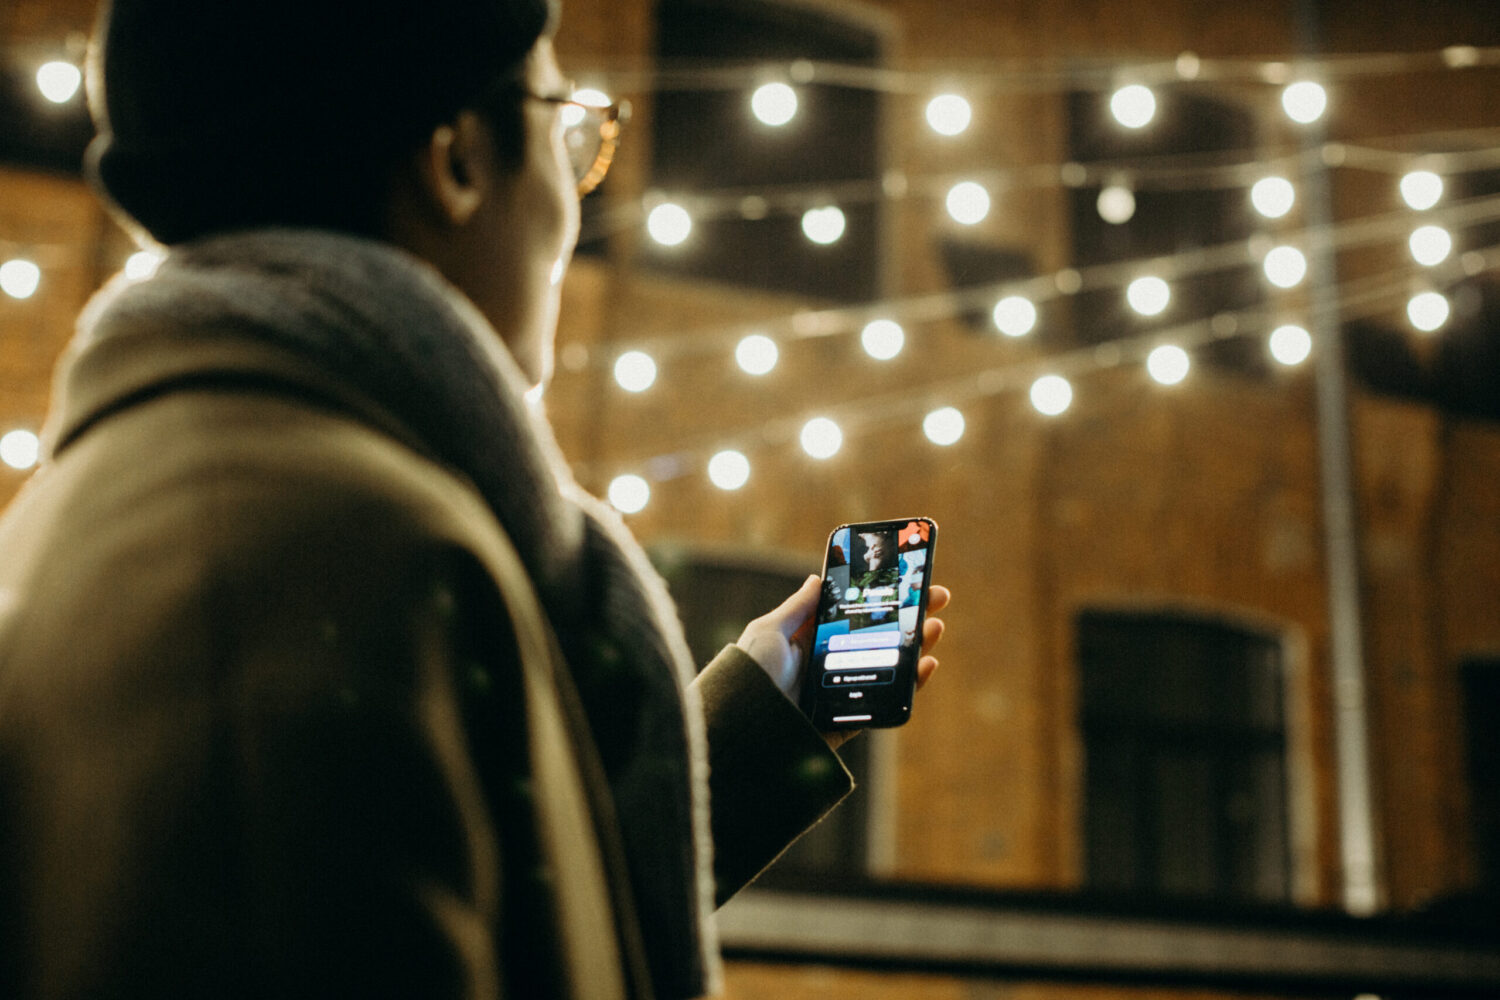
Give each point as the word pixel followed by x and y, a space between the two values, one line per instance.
pixel 871 595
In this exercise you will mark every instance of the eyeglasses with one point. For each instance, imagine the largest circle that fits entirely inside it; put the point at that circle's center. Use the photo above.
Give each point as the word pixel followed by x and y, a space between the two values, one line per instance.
pixel 591 134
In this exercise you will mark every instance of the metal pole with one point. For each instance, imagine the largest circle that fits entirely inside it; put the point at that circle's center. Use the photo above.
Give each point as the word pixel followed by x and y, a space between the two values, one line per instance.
pixel 1363 892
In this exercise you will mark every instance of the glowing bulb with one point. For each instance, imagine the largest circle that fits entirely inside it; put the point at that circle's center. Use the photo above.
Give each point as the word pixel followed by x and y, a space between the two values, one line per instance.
pixel 1290 344
pixel 1015 316
pixel 1421 189
pixel 1116 205
pixel 1148 296
pixel 1051 395
pixel 1285 267
pixel 774 103
pixel 821 438
pixel 1428 311
pixel 635 371
pixel 142 264
pixel 20 449
pixel 944 426
pixel 1168 364
pixel 669 224
pixel 58 81
pixel 1304 101
pixel 823 225
pixel 756 354
pixel 1431 245
pixel 883 339
pixel 729 470
pixel 1133 106
pixel 19 278
pixel 1273 197
pixel 968 203
pixel 629 494
pixel 949 114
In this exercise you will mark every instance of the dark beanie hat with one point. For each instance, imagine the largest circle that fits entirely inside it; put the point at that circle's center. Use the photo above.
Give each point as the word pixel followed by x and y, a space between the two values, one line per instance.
pixel 218 113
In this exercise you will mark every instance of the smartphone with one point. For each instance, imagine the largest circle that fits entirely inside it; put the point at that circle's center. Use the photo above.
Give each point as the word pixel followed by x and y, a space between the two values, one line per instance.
pixel 862 669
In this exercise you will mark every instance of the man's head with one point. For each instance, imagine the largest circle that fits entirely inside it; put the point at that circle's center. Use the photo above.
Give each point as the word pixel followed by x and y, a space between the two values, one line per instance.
pixel 400 120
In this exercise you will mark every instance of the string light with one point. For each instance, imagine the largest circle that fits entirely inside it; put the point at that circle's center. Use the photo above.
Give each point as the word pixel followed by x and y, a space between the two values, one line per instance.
pixel 968 203
pixel 949 114
pixel 1304 101
pixel 774 104
pixel 821 438
pixel 20 449
pixel 756 354
pixel 1290 345
pixel 635 371
pixel 1015 316
pixel 1116 204
pixel 1421 189
pixel 1051 395
pixel 943 426
pixel 1273 197
pixel 669 224
pixel 882 339
pixel 823 225
pixel 1428 311
pixel 58 81
pixel 629 494
pixel 19 278
pixel 1133 106
pixel 1285 267
pixel 1430 245
pixel 729 470
pixel 1148 296
pixel 1168 364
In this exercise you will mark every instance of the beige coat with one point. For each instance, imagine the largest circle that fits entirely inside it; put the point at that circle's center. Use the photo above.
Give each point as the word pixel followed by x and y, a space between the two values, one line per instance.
pixel 280 714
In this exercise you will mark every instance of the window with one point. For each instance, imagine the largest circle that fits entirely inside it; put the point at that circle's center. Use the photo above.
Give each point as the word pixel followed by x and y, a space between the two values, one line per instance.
pixel 716 597
pixel 706 140
pixel 1184 741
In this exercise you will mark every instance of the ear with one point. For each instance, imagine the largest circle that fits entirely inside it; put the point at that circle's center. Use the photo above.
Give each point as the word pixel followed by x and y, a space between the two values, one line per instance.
pixel 454 169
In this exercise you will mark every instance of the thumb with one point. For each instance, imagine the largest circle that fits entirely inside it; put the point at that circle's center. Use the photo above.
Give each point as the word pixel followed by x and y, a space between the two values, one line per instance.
pixel 794 612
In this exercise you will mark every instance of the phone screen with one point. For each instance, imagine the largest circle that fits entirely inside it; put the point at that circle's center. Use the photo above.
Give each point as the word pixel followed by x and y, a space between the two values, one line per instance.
pixel 863 666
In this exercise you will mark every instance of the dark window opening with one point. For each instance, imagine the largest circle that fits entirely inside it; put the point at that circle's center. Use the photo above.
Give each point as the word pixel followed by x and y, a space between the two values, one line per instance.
pixel 1185 791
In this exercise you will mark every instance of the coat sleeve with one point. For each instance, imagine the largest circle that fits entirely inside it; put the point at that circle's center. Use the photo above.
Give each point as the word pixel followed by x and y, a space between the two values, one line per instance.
pixel 771 774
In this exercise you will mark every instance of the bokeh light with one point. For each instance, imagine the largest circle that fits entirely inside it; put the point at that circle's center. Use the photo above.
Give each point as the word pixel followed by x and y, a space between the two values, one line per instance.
pixel 1015 316
pixel 823 225
pixel 1304 101
pixel 58 81
pixel 19 278
pixel 1290 344
pixel 821 438
pixel 1133 106
pixel 1285 267
pixel 729 470
pixel 669 224
pixel 635 371
pixel 774 104
pixel 629 494
pixel 882 339
pixel 1051 395
pixel 1430 245
pixel 968 203
pixel 1428 311
pixel 943 426
pixel 949 114
pixel 756 354
pixel 1421 189
pixel 1116 204
pixel 1273 197
pixel 1148 296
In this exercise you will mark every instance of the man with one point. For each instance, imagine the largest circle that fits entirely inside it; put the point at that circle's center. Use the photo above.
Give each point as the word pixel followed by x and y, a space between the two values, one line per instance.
pixel 318 675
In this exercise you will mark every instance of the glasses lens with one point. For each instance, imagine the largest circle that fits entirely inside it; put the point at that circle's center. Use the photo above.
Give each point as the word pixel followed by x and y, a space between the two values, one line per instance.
pixel 583 137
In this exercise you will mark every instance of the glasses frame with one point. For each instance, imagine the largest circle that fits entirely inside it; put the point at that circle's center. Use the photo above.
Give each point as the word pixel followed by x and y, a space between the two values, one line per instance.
pixel 612 120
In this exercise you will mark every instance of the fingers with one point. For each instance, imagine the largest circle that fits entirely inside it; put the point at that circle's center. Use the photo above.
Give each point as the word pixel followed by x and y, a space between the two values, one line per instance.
pixel 925 668
pixel 938 598
pixel 792 613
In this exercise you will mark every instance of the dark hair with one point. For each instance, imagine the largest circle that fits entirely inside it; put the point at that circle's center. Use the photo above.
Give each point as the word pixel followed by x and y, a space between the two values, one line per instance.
pixel 236 113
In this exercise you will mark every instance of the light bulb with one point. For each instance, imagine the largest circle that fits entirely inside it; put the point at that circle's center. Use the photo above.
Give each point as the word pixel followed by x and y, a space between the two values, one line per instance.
pixel 729 470
pixel 1273 197
pixel 1421 189
pixel 1290 344
pixel 629 494
pixel 1133 106
pixel 1015 316
pixel 1430 245
pixel 1428 311
pixel 635 371
pixel 949 114
pixel 1304 101
pixel 944 426
pixel 1168 364
pixel 1148 296
pixel 821 438
pixel 1116 205
pixel 1051 395
pixel 1285 267
pixel 882 339
pixel 774 104
pixel 669 224
pixel 58 81
pixel 823 225
pixel 756 354
pixel 19 278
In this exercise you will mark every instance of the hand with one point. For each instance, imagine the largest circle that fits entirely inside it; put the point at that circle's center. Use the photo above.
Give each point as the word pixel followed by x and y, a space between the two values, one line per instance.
pixel 777 640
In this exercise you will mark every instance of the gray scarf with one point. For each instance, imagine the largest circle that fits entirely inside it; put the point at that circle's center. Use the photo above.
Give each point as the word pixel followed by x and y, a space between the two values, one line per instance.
pixel 391 327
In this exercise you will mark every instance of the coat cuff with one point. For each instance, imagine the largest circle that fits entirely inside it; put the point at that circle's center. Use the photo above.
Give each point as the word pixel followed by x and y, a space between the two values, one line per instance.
pixel 772 775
